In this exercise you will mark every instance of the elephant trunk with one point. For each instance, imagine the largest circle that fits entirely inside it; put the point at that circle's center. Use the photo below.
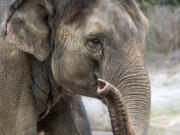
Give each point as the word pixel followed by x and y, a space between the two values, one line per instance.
pixel 120 119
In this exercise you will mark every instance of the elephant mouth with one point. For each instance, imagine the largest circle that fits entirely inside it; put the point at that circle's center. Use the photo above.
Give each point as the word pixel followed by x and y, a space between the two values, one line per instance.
pixel 120 120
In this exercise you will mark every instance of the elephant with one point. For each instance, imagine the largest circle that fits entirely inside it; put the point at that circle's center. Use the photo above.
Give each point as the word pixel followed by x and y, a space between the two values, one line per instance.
pixel 52 52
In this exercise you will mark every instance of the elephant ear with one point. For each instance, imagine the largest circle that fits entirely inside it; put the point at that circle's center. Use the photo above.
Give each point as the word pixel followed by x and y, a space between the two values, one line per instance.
pixel 136 14
pixel 28 28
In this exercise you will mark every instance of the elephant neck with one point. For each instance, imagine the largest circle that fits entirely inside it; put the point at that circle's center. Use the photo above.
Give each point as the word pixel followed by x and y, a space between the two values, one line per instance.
pixel 46 91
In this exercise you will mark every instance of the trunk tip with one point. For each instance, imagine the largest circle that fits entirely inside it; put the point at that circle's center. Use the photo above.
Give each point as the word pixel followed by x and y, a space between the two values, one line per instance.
pixel 102 90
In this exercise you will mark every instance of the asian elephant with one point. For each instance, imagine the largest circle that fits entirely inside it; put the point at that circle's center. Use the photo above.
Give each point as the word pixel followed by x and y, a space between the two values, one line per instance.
pixel 51 51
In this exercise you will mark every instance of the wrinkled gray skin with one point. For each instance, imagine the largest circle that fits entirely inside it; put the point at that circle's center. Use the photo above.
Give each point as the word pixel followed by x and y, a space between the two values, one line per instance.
pixel 55 50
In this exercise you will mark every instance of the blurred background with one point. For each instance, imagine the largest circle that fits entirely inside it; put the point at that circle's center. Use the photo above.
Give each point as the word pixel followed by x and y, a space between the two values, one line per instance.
pixel 162 55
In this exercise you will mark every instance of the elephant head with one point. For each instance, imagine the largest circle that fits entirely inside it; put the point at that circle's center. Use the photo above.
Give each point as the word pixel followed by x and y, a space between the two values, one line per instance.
pixel 97 51
pixel 105 41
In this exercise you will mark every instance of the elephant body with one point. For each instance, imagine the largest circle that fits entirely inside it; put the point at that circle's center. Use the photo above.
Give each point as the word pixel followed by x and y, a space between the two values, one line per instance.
pixel 44 65
pixel 27 92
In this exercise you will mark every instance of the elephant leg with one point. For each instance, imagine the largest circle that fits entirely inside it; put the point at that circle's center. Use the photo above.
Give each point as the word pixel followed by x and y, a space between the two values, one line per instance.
pixel 26 122
pixel 17 108
pixel 19 121
pixel 12 6
pixel 68 117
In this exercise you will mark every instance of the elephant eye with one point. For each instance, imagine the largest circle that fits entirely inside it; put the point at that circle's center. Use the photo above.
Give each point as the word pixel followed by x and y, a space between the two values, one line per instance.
pixel 94 44
pixel 96 41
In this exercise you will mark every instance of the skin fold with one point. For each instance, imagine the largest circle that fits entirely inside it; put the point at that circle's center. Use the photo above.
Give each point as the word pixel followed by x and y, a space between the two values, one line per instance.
pixel 52 51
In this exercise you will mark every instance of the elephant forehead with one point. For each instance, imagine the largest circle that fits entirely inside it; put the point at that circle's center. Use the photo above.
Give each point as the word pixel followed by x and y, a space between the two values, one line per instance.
pixel 97 25
pixel 109 16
